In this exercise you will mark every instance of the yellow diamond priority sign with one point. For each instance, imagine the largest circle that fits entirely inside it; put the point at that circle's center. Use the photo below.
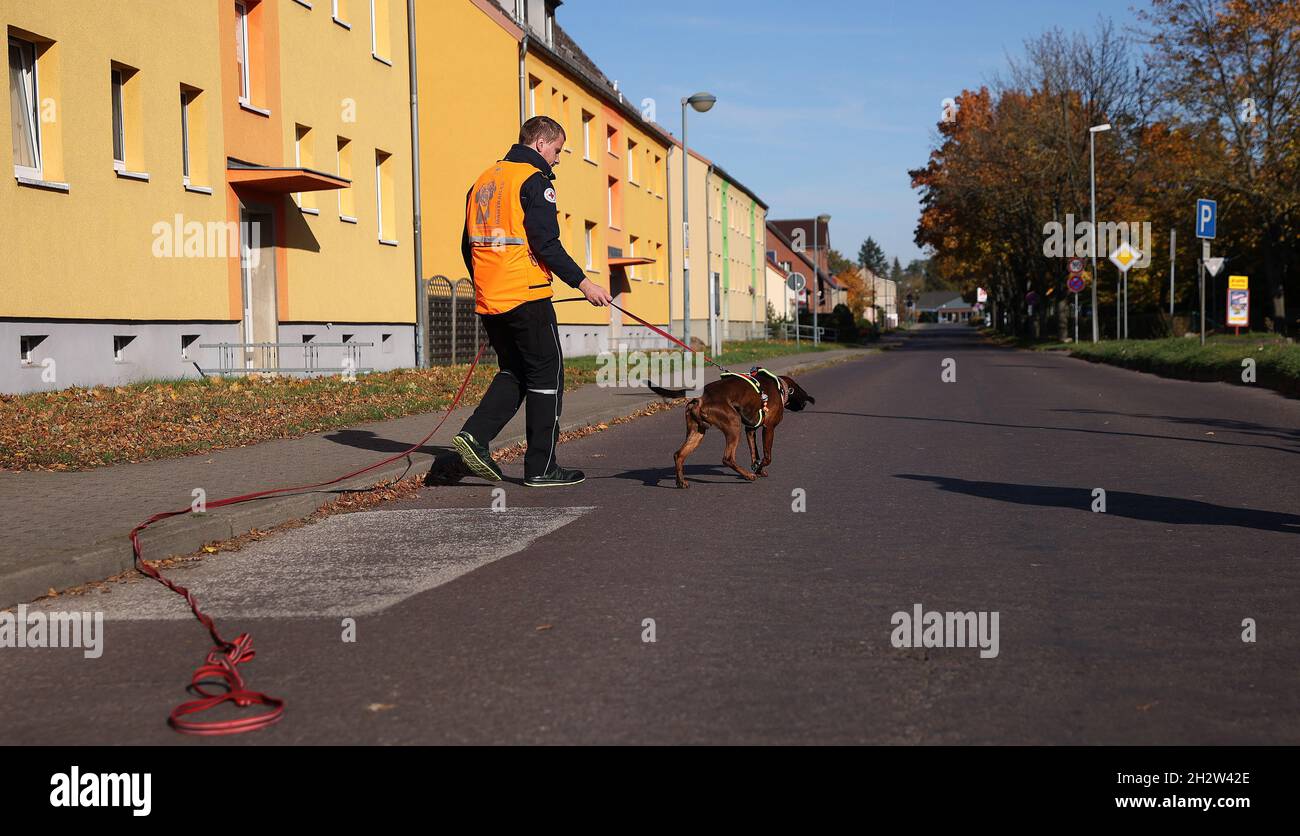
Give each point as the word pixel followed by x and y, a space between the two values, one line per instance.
pixel 1124 256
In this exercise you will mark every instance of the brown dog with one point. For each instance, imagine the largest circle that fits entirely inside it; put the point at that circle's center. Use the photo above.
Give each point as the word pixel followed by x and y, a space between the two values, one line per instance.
pixel 733 404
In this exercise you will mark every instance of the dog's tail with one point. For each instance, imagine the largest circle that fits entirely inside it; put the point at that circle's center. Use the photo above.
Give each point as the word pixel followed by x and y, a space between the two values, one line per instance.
pixel 693 417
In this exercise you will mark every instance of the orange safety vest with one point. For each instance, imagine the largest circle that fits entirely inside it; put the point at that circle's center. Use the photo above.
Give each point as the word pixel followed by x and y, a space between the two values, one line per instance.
pixel 506 273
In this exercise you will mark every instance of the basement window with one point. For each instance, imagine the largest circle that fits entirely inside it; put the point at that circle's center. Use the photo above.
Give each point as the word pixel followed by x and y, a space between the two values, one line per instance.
pixel 27 345
pixel 120 342
pixel 187 340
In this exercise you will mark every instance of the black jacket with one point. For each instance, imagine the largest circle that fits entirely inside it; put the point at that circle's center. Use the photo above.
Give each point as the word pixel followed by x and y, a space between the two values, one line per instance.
pixel 541 220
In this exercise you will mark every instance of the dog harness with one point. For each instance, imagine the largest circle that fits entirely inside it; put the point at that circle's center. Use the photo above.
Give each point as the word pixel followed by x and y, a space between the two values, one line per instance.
pixel 751 377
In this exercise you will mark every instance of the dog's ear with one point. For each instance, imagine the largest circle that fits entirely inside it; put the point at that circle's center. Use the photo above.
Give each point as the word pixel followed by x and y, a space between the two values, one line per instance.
pixel 798 397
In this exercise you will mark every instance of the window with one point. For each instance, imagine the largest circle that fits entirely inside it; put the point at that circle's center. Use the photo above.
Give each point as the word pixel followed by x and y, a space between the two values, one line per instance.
pixel 185 136
pixel 194 141
pixel 588 229
pixel 241 49
pixel 22 103
pixel 27 347
pixel 586 135
pixel 386 209
pixel 563 116
pixel 631 161
pixel 339 11
pixel 124 104
pixel 304 156
pixel 119 136
pixel 533 84
pixel 347 211
pixel 657 176
pixel 611 134
pixel 631 253
pixel 120 342
pixel 380 31
pixel 615 204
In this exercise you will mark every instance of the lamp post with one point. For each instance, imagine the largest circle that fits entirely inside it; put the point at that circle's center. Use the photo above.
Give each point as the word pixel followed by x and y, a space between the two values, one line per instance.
pixel 1092 178
pixel 817 283
pixel 701 102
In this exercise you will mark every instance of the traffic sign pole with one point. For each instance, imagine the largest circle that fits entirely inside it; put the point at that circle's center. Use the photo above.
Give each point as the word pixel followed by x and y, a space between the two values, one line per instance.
pixel 1173 237
pixel 1205 253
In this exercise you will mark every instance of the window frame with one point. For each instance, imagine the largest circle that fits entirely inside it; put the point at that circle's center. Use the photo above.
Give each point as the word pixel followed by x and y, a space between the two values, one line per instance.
pixel 186 99
pixel 117 85
pixel 30 84
pixel 243 53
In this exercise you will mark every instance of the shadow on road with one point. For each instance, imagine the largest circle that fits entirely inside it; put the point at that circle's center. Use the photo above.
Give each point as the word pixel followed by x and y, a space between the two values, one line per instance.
pixel 1213 441
pixel 1138 506
pixel 367 440
pixel 1230 424
pixel 655 477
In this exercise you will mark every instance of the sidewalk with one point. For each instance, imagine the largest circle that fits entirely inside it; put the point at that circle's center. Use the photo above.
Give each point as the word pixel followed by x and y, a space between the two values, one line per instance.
pixel 64 529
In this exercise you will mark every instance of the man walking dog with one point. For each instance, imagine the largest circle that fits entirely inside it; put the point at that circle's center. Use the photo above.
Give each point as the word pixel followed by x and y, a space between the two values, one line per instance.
pixel 511 246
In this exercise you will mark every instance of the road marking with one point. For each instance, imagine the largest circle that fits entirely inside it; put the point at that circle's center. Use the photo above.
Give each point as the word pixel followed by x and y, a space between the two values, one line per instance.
pixel 344 565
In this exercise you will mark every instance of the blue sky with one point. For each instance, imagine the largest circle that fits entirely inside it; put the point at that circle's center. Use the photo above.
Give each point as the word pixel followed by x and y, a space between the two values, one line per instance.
pixel 823 105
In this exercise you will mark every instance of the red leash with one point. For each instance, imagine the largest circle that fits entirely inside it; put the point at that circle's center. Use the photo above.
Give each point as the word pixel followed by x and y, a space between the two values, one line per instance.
pixel 221 668
pixel 664 333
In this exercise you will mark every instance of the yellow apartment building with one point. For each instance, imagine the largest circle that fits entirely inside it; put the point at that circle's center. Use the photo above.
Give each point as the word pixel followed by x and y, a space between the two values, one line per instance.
pixel 211 172
pixel 611 180
pixel 728 228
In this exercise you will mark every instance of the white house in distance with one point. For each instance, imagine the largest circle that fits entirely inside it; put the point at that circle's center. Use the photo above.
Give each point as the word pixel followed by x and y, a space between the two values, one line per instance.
pixel 945 306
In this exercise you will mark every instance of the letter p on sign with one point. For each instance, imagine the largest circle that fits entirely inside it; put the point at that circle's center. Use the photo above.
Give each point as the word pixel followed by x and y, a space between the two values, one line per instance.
pixel 1206 218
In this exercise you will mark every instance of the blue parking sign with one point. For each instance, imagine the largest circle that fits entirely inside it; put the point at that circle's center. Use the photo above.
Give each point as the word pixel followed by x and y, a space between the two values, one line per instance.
pixel 1207 212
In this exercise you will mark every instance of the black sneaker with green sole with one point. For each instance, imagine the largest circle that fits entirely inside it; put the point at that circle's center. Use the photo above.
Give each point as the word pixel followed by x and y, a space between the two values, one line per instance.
pixel 556 477
pixel 476 457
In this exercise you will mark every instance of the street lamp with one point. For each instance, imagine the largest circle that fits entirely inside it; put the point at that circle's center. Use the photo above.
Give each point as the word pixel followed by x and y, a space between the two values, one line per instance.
pixel 702 102
pixel 1092 178
pixel 821 219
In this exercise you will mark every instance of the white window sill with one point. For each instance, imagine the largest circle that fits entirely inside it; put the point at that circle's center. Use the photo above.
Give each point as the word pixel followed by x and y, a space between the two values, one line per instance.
pixel 197 189
pixel 347 219
pixel 388 243
pixel 593 271
pixel 252 108
pixel 343 23
pixel 588 160
pixel 381 60
pixel 131 175
pixel 37 183
pixel 307 210
pixel 306 4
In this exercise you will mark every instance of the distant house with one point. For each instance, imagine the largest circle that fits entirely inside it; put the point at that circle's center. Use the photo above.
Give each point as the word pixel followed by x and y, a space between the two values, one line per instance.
pixel 944 306
pixel 793 256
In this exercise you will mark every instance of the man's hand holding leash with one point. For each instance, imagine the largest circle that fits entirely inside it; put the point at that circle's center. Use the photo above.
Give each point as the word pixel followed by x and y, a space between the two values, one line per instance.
pixel 596 295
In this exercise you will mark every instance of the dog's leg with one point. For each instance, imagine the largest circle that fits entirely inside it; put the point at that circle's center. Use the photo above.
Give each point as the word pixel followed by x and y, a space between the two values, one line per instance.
pixel 694 435
pixel 750 436
pixel 731 428
pixel 768 434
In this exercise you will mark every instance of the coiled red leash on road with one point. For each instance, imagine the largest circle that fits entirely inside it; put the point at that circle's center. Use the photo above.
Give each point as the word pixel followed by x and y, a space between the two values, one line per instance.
pixel 221 668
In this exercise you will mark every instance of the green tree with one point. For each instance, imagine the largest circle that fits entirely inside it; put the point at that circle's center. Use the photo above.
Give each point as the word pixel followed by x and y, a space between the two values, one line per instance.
pixel 837 262
pixel 872 257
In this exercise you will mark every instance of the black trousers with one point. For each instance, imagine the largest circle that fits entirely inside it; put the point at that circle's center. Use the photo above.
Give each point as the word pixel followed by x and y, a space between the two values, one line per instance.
pixel 527 343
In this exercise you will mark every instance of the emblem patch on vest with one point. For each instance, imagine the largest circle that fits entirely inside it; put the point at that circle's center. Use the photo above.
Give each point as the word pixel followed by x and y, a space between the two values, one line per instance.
pixel 550 195
pixel 484 200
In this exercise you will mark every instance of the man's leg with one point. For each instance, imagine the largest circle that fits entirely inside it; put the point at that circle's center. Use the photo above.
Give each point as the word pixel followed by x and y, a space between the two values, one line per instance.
pixel 506 392
pixel 539 340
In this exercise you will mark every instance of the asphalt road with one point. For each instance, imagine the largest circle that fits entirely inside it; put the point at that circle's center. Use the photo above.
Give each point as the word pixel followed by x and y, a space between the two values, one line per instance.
pixel 773 625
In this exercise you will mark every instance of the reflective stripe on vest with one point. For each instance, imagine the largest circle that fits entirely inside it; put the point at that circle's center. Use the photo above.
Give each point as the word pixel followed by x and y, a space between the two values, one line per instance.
pixel 506 273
